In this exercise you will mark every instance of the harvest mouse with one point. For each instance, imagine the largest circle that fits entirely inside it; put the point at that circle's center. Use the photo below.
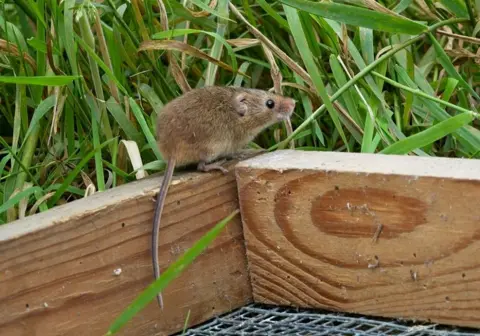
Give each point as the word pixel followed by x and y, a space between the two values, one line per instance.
pixel 207 124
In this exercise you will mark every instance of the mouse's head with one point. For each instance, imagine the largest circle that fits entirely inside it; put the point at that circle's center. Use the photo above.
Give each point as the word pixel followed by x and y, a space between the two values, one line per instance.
pixel 253 102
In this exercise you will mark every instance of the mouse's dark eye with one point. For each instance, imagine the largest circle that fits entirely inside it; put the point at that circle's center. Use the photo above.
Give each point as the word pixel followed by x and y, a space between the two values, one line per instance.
pixel 270 104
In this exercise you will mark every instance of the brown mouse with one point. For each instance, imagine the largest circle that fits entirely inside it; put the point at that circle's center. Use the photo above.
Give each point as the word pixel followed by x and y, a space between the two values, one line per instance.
pixel 207 124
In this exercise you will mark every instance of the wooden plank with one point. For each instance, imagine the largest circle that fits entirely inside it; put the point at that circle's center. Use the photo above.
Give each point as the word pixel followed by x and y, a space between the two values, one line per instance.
pixel 57 268
pixel 311 222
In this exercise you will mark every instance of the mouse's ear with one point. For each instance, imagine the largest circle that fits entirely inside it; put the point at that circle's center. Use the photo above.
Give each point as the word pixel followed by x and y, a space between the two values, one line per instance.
pixel 240 103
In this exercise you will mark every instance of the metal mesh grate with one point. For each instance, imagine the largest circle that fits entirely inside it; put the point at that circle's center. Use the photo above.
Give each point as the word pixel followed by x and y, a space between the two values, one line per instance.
pixel 270 320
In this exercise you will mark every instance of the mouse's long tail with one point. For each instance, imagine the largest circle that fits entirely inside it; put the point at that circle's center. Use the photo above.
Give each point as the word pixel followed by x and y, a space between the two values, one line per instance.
pixel 156 221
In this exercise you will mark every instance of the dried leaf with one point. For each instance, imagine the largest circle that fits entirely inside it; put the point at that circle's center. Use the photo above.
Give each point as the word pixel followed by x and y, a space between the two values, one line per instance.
pixel 135 158
pixel 203 13
pixel 177 72
pixel 243 42
pixel 37 204
pixel 182 47
pixel 11 49
pixel 277 82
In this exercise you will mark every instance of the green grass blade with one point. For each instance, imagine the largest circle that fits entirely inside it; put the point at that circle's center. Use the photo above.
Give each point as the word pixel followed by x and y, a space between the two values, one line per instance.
pixel 31 9
pixel 69 127
pixel 302 45
pixel 38 114
pixel 38 80
pixel 149 94
pixel 69 36
pixel 126 125
pixel 70 189
pixel 16 159
pixel 307 105
pixel 95 121
pixel 220 14
pixel 368 135
pixel 156 165
pixel 417 92
pixel 100 63
pixel 25 6
pixel 348 96
pixel 359 61
pixel 27 153
pixel 402 5
pixel 137 111
pixel 19 117
pixel 444 60
pixel 430 135
pixel 457 7
pixel 357 16
pixel 13 34
pixel 408 97
pixel 217 48
pixel 41 57
pixel 366 40
pixel 272 13
pixel 170 274
pixel 239 78
pixel 450 87
pixel 179 10
pixel 18 197
pixel 435 111
pixel 69 179
pixel 3 163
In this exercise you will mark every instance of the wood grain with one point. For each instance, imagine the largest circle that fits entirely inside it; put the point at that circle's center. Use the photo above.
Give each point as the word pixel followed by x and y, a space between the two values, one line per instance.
pixel 391 236
pixel 57 268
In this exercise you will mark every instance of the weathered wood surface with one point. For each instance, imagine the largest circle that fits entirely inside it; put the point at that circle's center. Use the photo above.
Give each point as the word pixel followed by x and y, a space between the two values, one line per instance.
pixel 311 225
pixel 57 268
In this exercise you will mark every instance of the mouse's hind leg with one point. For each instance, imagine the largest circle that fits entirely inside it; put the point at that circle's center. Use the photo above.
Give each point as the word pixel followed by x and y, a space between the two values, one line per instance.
pixel 205 167
pixel 212 156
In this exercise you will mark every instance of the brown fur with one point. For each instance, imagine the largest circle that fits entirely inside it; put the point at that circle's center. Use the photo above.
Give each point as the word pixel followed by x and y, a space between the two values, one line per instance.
pixel 206 124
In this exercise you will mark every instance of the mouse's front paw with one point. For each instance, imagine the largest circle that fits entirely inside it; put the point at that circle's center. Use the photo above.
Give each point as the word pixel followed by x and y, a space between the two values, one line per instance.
pixel 202 166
